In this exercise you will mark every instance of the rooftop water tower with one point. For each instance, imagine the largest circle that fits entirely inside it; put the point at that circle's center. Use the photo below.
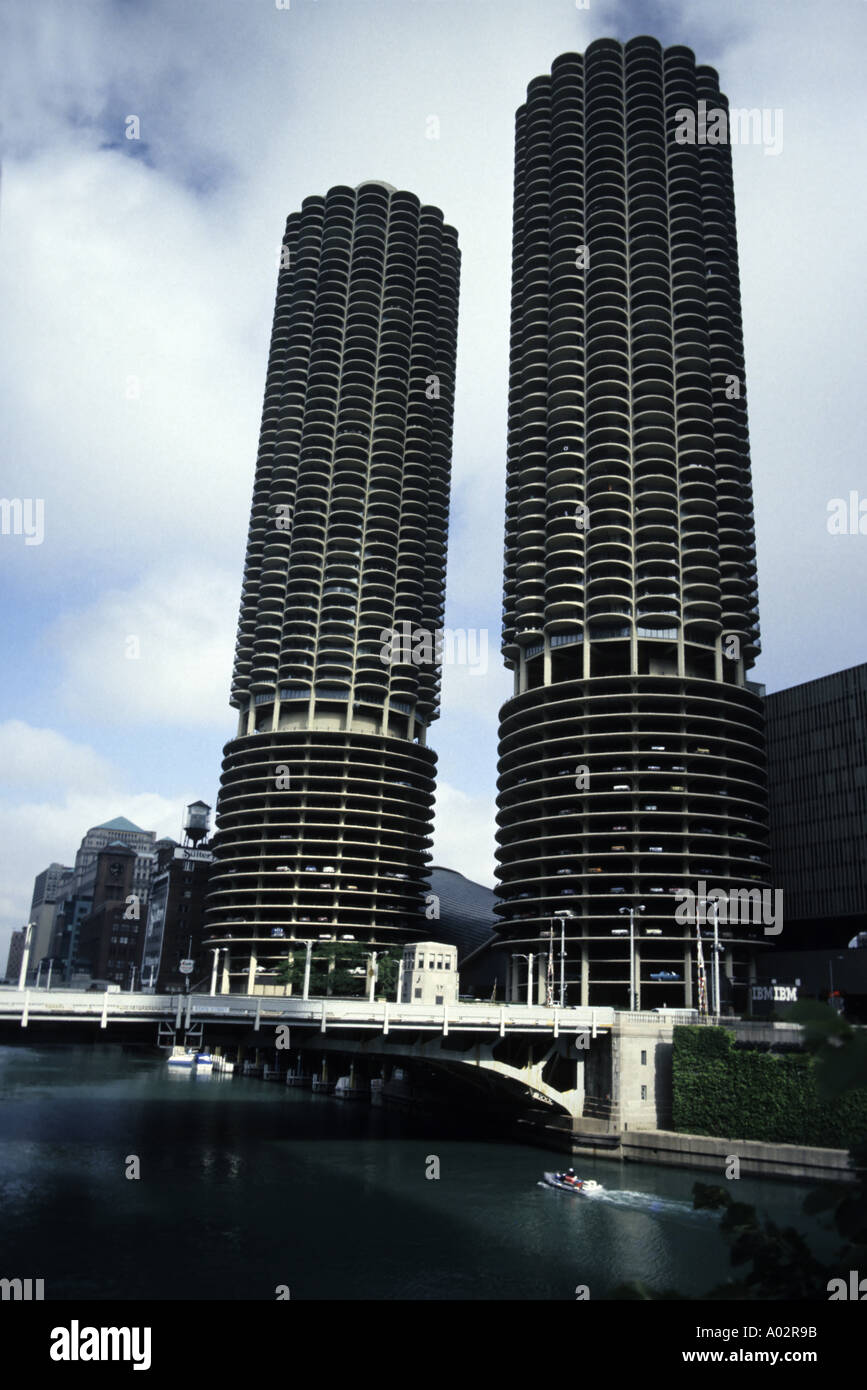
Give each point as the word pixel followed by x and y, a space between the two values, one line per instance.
pixel 197 822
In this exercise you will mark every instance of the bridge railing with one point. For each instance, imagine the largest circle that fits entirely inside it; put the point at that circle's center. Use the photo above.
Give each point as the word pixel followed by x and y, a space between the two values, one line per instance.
pixel 328 1012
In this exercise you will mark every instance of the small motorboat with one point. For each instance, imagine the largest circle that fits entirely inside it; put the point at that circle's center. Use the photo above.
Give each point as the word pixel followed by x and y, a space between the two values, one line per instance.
pixel 568 1182
pixel 188 1059
pixel 182 1057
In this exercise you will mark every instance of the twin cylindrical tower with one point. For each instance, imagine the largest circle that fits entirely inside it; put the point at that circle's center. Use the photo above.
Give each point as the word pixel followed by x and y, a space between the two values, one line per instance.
pixel 631 757
pixel 326 800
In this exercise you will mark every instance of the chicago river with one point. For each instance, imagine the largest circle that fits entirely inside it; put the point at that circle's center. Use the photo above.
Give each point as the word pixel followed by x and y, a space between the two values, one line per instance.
pixel 247 1190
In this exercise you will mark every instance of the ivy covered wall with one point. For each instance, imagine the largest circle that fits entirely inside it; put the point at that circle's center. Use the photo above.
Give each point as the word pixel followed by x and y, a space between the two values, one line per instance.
pixel 740 1093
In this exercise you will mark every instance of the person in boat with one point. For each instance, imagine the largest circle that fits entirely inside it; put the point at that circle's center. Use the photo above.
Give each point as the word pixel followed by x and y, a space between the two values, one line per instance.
pixel 570 1176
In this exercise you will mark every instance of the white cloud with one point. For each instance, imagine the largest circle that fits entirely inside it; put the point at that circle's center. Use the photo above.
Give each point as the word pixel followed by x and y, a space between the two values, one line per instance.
pixel 159 652
pixel 44 759
pixel 472 690
pixel 464 833
pixel 69 788
pixel 137 394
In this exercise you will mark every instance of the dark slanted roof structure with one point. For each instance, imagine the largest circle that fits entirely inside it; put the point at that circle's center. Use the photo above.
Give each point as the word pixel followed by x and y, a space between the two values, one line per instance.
pixel 466 911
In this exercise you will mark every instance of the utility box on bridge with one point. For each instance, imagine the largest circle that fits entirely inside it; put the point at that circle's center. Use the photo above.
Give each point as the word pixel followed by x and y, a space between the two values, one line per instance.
pixel 430 973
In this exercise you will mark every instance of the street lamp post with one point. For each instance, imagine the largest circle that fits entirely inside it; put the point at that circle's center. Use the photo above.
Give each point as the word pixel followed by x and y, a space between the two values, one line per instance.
pixel 373 976
pixel 716 949
pixel 519 955
pixel 561 918
pixel 632 911
pixel 25 955
pixel 713 903
pixel 549 979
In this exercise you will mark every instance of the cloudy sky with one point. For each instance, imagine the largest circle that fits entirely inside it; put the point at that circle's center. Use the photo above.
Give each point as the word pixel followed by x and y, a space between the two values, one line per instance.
pixel 138 280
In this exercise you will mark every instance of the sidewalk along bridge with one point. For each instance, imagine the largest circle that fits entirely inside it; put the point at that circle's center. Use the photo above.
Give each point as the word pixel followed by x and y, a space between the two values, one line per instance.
pixel 542 1051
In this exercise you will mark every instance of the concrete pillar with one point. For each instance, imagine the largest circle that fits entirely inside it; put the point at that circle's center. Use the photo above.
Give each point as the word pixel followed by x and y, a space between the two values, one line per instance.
pixel 546 662
pixel 224 982
pixel 251 972
pixel 579 1086
pixel 585 974
pixel 637 975
pixel 687 976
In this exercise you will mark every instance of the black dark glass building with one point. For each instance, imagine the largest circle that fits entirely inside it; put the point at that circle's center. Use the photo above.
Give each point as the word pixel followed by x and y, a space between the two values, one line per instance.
pixel 632 757
pixel 817 785
pixel 324 814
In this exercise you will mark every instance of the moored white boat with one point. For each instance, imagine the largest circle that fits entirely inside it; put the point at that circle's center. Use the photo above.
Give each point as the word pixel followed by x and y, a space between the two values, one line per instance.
pixel 346 1089
pixel 181 1057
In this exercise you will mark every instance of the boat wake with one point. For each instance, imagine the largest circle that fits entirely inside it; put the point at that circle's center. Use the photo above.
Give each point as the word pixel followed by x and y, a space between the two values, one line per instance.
pixel 647 1203
pixel 663 1206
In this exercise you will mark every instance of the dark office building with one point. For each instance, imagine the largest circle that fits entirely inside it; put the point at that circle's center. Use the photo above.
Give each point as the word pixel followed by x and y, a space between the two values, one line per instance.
pixel 632 761
pixel 109 938
pixel 817 789
pixel 72 910
pixel 49 890
pixel 324 814
pixel 48 885
pixel 176 909
pixel 17 942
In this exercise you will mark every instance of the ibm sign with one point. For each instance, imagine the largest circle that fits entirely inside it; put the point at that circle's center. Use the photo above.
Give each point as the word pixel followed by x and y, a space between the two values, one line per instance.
pixel 778 994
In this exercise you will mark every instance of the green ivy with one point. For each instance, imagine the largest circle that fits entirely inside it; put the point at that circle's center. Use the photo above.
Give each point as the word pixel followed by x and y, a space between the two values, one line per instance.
pixel 740 1093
